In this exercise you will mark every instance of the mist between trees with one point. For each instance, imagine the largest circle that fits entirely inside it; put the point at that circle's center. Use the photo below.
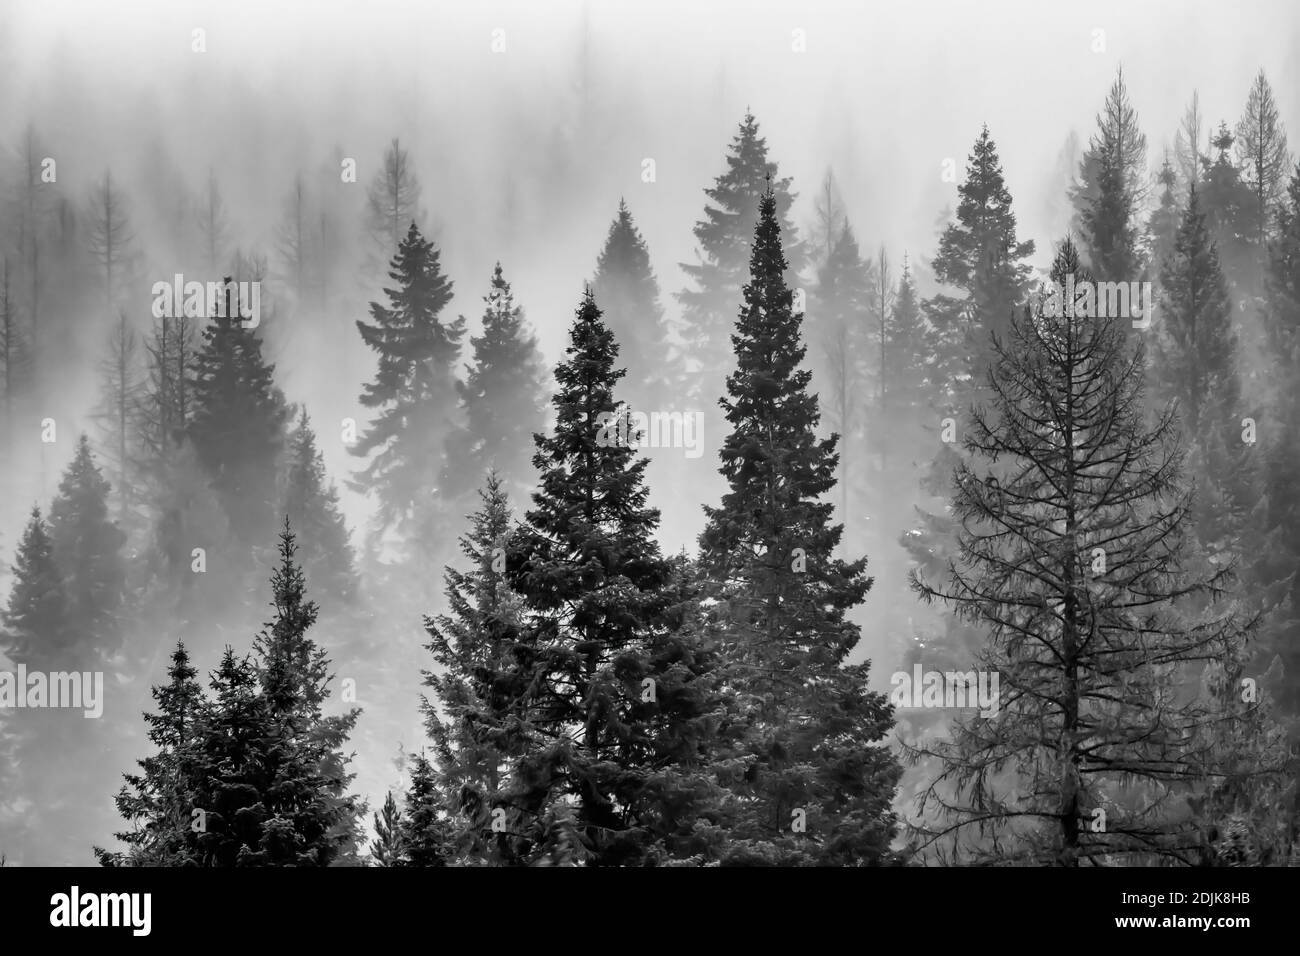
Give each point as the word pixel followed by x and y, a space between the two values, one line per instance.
pixel 473 601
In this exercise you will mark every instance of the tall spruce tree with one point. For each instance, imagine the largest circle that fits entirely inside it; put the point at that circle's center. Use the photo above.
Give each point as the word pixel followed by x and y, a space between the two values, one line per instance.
pixel 1229 207
pixel 809 782
pixel 628 293
pixel 87 547
pixel 393 202
pixel 1162 226
pixel 1073 525
pixel 478 735
pixel 238 420
pixel 1194 364
pixel 842 305
pixel 413 391
pixel 1279 553
pixel 157 800
pixel 502 398
pixel 311 503
pixel 121 391
pixel 620 694
pixel 275 785
pixel 1111 188
pixel 979 256
pixel 724 236
pixel 1263 154
pixel 37 627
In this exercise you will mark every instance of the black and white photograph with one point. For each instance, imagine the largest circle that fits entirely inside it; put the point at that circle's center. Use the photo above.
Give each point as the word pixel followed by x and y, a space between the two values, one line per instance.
pixel 777 435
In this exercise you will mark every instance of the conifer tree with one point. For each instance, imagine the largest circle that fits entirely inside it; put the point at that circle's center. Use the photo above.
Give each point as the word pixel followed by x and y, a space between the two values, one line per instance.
pixel 238 421
pixel 809 753
pixel 1194 364
pixel 626 288
pixel 121 391
pixel 393 202
pixel 1263 154
pixel 37 627
pixel 1162 226
pixel 1229 211
pixel 723 236
pixel 212 225
pixel 1108 198
pixel 386 848
pixel 110 238
pixel 1279 554
pixel 15 356
pixel 311 503
pixel 502 398
pixel 1074 519
pixel 828 222
pixel 1188 142
pixel 424 833
pixel 87 547
pixel 157 800
pixel 57 622
pixel 477 736
pixel 277 793
pixel 413 391
pixel 618 693
pixel 906 348
pixel 980 256
pixel 842 305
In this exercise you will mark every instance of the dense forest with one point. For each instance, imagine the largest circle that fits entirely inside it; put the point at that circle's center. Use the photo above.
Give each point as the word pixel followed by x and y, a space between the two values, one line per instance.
pixel 813 550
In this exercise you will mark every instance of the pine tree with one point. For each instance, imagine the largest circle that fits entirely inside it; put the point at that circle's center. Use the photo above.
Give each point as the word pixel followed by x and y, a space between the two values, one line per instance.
pixel 35 206
pixel 477 737
pixel 424 833
pixel 1162 226
pixel 980 256
pixel 1112 177
pixel 829 221
pixel 628 292
pixel 618 694
pixel 386 848
pixel 393 203
pixel 277 795
pixel 15 357
pixel 413 391
pixel 1188 142
pixel 212 225
pixel 298 242
pixel 311 503
pixel 1197 357
pixel 1194 363
pixel 1073 524
pixel 157 801
pixel 807 753
pixel 502 398
pixel 109 237
pixel 238 421
pixel 905 350
pixel 121 391
pixel 843 305
pixel 1279 554
pixel 87 547
pixel 724 235
pixel 1263 153
pixel 1229 210
pixel 37 627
